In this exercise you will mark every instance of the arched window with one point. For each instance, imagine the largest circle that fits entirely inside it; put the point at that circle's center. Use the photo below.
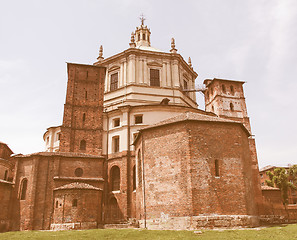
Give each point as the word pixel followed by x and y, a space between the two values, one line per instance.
pixel 232 90
pixel 86 95
pixel 23 189
pixel 224 88
pixel 74 203
pixel 115 178
pixel 139 173
pixel 134 178
pixel 57 204
pixel 84 117
pixel 82 145
pixel 5 175
pixel 217 169
pixel 212 108
pixel 143 36
pixel 139 37
pixel 231 107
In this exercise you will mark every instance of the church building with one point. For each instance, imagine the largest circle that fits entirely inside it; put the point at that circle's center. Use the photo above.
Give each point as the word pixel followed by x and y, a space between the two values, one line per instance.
pixel 134 148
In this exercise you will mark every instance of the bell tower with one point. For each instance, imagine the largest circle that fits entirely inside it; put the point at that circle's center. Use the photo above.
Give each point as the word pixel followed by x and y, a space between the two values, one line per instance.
pixel 81 131
pixel 142 34
pixel 226 99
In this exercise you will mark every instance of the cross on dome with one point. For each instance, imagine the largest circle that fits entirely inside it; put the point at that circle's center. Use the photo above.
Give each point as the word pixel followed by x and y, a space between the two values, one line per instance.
pixel 142 19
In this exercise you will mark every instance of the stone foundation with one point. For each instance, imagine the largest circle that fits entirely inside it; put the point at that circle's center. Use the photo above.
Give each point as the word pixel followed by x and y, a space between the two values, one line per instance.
pixel 73 226
pixel 198 222
pixel 273 219
pixel 4 225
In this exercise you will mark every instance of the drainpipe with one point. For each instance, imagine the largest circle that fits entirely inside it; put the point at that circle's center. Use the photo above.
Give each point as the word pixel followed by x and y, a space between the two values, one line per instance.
pixel 104 200
pixel 143 179
pixel 128 165
pixel 45 193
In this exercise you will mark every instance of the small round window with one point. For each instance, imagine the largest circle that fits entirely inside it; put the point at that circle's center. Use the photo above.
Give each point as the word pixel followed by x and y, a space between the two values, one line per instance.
pixel 78 172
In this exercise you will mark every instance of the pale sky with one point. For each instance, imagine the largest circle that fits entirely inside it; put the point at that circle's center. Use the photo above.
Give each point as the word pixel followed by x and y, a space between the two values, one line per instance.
pixel 251 40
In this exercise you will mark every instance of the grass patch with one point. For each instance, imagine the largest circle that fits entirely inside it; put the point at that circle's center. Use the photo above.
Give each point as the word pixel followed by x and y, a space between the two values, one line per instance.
pixel 286 232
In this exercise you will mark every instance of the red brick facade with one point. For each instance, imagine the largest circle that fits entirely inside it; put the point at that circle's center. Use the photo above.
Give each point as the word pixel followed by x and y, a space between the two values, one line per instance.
pixel 6 186
pixel 192 167
pixel 82 122
pixel 62 190
pixel 46 174
pixel 197 169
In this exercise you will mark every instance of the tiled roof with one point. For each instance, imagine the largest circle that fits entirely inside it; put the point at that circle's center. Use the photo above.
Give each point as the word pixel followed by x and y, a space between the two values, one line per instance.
pixel 225 80
pixel 266 168
pixel 191 116
pixel 63 154
pixel 268 188
pixel 273 167
pixel 78 185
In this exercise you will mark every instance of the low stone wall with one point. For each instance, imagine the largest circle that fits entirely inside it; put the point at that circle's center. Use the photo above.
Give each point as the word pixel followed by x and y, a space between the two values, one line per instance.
pixel 276 213
pixel 272 219
pixel 73 226
pixel 199 222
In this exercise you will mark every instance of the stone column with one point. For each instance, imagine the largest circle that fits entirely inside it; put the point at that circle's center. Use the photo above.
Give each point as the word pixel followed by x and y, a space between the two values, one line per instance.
pixel 175 73
pixel 145 74
pixel 140 71
pixel 125 73
pixel 169 80
pixel 164 78
pixel 131 71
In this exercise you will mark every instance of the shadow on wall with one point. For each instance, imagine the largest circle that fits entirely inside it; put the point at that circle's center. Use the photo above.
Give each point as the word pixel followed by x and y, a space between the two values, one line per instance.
pixel 114 215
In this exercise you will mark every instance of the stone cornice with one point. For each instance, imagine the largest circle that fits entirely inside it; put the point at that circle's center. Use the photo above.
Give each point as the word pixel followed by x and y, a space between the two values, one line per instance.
pixel 137 52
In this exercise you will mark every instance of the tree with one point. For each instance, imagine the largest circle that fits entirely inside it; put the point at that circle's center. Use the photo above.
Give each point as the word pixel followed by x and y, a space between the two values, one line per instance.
pixel 293 174
pixel 283 179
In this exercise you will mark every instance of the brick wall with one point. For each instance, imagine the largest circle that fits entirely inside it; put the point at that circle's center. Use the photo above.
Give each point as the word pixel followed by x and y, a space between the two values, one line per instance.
pixel 180 179
pixel 5 196
pixel 87 208
pixel 232 191
pixel 5 151
pixel 83 109
pixel 45 172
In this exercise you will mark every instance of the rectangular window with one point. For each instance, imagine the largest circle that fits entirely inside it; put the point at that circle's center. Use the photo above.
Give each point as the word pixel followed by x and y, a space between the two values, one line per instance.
pixel 138 119
pixel 116 144
pixel 114 81
pixel 155 77
pixel 186 87
pixel 185 84
pixel 74 203
pixel 116 122
pixel 217 169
